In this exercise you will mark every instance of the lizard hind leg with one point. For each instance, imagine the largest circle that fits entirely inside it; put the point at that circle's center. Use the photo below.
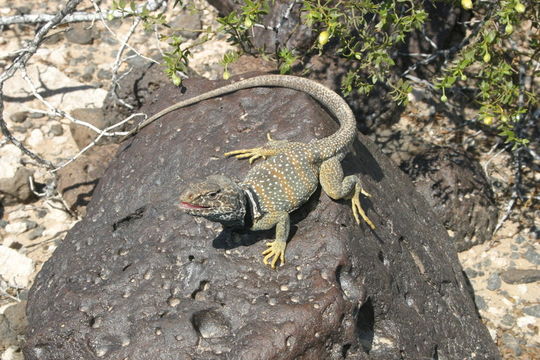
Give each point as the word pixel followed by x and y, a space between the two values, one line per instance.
pixel 272 148
pixel 339 187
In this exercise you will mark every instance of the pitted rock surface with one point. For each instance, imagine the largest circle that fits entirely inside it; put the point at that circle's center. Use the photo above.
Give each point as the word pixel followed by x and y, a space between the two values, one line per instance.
pixel 459 193
pixel 138 279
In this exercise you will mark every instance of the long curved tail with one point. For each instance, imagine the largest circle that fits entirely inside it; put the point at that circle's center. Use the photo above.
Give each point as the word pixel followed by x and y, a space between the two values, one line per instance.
pixel 327 147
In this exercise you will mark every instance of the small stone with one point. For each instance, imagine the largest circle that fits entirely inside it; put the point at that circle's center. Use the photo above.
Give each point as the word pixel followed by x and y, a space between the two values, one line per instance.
pixel 520 276
pixel 508 320
pixel 56 130
pixel 104 74
pixel 19 129
pixel 41 213
pixel 533 310
pixel 36 115
pixel 532 256
pixel 511 343
pixel 17 228
pixel 514 247
pixel 519 239
pixel 515 255
pixel 19 117
pixel 471 273
pixel 36 138
pixel 486 263
pixel 494 282
pixel 80 34
pixel 3 223
pixel 36 233
pixel 480 302
pixel 88 72
pixel 15 268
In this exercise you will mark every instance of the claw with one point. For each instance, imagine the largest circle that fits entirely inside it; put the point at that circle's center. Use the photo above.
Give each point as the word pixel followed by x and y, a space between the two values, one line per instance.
pixel 357 207
pixel 276 249
pixel 252 154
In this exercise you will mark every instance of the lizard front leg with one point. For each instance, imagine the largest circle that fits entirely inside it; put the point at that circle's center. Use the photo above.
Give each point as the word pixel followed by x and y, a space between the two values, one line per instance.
pixel 338 187
pixel 276 248
pixel 272 148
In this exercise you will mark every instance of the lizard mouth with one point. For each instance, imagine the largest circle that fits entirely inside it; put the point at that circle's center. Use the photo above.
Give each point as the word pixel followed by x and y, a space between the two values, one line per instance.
pixel 186 205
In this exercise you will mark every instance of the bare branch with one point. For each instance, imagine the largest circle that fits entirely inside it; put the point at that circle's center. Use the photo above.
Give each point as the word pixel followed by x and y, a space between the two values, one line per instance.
pixel 95 141
pixel 19 62
pixel 78 16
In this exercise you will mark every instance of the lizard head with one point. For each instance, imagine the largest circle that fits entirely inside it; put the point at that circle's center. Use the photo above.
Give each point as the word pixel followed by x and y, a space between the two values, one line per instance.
pixel 216 198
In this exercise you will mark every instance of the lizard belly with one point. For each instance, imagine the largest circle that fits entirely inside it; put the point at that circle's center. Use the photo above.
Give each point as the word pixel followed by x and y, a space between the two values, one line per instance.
pixel 284 182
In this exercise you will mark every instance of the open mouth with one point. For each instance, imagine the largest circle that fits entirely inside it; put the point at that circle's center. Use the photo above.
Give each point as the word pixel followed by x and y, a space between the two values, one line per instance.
pixel 186 205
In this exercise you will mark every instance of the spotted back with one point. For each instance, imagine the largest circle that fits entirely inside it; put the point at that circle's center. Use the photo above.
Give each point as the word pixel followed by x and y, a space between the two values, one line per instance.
pixel 284 182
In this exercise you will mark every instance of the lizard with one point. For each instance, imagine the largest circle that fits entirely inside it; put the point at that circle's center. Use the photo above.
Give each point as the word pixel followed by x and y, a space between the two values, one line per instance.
pixel 286 178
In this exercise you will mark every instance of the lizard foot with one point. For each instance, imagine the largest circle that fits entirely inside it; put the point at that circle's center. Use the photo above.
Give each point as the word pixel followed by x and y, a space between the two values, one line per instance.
pixel 252 154
pixel 357 207
pixel 275 249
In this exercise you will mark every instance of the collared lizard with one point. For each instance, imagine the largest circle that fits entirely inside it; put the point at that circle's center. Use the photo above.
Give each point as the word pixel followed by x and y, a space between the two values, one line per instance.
pixel 288 176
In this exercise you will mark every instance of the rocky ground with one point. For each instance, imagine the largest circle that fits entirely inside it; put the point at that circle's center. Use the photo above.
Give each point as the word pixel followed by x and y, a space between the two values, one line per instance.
pixel 73 70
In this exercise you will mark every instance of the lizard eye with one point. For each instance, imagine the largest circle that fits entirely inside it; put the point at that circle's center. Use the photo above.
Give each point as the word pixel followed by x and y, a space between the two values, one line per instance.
pixel 212 194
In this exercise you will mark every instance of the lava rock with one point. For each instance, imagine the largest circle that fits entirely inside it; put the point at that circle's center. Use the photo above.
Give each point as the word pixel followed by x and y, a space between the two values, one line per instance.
pixel 77 180
pixel 138 277
pixel 457 189
pixel 187 24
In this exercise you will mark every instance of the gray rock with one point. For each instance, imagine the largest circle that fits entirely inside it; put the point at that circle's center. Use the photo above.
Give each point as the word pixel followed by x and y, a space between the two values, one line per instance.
pixel 494 282
pixel 137 277
pixel 510 342
pixel 80 33
pixel 471 273
pixel 19 129
pixel 508 320
pixel 36 115
pixel 19 117
pixel 532 256
pixel 480 302
pixel 3 223
pixel 17 190
pixel 519 239
pixel 520 276
pixel 36 233
pixel 515 255
pixel 30 224
pixel 104 74
pixel 88 72
pixel 533 310
pixel 56 130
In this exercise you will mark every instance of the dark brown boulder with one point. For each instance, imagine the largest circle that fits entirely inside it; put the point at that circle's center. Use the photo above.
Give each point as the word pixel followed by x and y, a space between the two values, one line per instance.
pixel 455 186
pixel 138 279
